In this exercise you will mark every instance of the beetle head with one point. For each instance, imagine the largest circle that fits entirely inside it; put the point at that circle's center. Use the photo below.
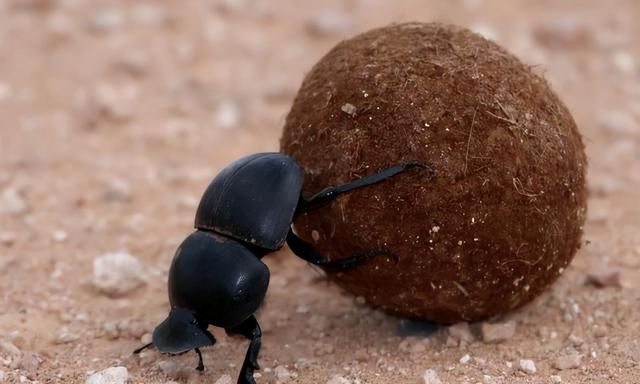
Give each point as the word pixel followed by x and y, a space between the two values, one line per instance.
pixel 181 332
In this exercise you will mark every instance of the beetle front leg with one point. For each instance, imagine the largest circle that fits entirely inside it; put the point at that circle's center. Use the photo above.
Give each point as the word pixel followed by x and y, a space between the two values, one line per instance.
pixel 251 330
pixel 330 193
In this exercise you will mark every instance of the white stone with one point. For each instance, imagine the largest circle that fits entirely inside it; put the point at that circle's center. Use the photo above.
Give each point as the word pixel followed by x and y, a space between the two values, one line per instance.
pixel 112 375
pixel 64 336
pixel 117 274
pixel 226 115
pixel 328 22
pixel 465 359
pixel 282 372
pixel 556 379
pixel 431 377
pixel 497 332
pixel 567 362
pixel 337 379
pixel 224 379
pixel 528 366
pixel 349 109
pixel 12 203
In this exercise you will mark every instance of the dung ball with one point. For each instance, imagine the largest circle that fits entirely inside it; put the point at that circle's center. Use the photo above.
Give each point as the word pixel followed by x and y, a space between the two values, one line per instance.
pixel 500 218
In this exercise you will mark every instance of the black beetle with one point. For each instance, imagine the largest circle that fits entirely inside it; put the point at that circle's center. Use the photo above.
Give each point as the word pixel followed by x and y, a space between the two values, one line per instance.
pixel 216 276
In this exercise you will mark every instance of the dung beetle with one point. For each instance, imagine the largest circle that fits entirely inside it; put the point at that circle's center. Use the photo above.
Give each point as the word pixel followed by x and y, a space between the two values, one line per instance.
pixel 216 276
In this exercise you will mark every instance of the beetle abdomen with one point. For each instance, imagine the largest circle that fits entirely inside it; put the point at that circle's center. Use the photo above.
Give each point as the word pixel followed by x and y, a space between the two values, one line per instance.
pixel 253 199
pixel 218 278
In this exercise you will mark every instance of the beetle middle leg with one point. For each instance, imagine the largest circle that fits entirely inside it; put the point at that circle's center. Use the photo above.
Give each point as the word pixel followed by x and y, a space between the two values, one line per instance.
pixel 308 253
pixel 251 330
pixel 330 193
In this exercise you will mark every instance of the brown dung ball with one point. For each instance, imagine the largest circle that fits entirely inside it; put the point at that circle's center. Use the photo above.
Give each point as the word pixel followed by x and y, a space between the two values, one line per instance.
pixel 501 218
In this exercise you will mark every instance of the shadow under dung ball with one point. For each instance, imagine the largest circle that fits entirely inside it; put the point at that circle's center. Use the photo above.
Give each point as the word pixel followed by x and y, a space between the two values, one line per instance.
pixel 502 217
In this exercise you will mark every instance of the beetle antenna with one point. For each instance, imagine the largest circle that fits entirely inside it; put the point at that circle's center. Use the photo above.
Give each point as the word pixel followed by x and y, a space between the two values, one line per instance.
pixel 142 348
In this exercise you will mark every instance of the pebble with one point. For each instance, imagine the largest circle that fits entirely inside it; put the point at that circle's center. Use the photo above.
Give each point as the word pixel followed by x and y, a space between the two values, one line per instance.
pixel 431 377
pixel 567 362
pixel 134 62
pixel 112 375
pixel 461 332
pixel 117 190
pixel 282 372
pixel 328 22
pixel 604 277
pixel 226 115
pixel 465 359
pixel 59 235
pixel 224 379
pixel 29 362
pixel 64 336
pixel 337 379
pixel 7 238
pixel 117 274
pixel 11 203
pixel 106 20
pixel 3 375
pixel 170 368
pixel 555 379
pixel 528 366
pixel 497 332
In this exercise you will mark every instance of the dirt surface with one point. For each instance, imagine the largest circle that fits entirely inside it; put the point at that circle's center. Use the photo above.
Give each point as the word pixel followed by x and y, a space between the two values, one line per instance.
pixel 114 116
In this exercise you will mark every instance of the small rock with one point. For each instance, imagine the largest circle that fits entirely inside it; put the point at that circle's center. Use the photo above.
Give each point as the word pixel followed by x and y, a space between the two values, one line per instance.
pixel 112 375
pixel 226 115
pixel 623 62
pixel 349 109
pixel 116 274
pixel 3 376
pixel 111 329
pixel 431 377
pixel 465 359
pixel 171 368
pixel 59 235
pixel 29 362
pixel 7 238
pixel 497 332
pixel 282 372
pixel 10 348
pixel 117 190
pixel 134 62
pixel 556 379
pixel 328 22
pixel 106 20
pixel 567 362
pixel 60 25
pixel 604 278
pixel 337 379
pixel 461 332
pixel 11 203
pixel 528 366
pixel 224 379
pixel 64 336
pixel 146 338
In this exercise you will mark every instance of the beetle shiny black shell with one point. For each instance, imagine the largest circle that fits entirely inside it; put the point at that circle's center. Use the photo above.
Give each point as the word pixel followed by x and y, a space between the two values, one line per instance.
pixel 217 278
pixel 253 200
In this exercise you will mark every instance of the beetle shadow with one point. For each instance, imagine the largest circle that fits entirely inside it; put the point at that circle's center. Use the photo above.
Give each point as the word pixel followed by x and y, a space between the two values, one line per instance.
pixel 417 328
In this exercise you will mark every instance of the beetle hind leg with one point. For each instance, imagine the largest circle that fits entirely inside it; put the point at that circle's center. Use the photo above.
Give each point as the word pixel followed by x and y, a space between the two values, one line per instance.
pixel 200 366
pixel 308 253
pixel 251 330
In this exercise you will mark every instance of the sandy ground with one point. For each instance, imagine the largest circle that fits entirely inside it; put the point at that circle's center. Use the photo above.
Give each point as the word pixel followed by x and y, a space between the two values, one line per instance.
pixel 114 116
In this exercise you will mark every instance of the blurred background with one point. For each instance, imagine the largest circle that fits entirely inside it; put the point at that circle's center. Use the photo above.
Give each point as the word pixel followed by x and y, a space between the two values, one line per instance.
pixel 115 115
